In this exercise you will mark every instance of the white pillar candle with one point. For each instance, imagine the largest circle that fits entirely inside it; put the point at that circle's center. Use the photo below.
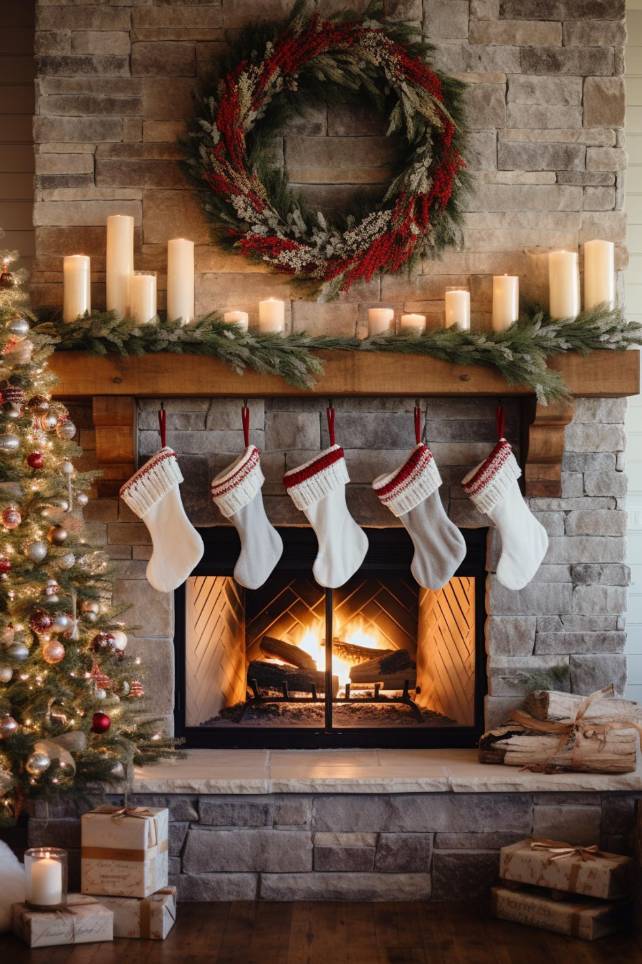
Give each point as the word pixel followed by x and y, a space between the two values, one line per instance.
pixel 142 296
pixel 412 324
pixel 272 315
pixel 76 273
pixel 505 301
pixel 120 261
pixel 563 284
pixel 599 274
pixel 45 886
pixel 380 320
pixel 240 318
pixel 457 308
pixel 180 280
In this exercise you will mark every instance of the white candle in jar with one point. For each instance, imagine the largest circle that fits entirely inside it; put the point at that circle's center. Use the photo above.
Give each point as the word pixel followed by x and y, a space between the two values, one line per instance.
pixel 240 318
pixel 563 284
pixel 180 280
pixel 599 274
pixel 45 886
pixel 142 296
pixel 76 273
pixel 412 324
pixel 457 308
pixel 272 315
pixel 380 320
pixel 120 261
pixel 505 301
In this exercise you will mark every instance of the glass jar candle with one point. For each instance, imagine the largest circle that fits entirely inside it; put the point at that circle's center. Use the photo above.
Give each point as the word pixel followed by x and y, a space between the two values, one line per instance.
pixel 46 877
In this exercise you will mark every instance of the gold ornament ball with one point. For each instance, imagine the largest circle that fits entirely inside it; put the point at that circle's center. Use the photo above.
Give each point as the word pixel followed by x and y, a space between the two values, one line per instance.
pixel 53 652
pixel 57 535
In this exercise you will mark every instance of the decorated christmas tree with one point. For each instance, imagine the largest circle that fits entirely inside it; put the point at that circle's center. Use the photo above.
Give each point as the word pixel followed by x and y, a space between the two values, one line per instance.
pixel 71 708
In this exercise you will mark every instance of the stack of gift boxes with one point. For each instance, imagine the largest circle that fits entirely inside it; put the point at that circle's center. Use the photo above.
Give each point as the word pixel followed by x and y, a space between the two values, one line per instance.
pixel 579 891
pixel 124 884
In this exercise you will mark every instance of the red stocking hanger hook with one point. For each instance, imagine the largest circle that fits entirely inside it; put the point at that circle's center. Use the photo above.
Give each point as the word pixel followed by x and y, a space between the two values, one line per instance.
pixel 330 416
pixel 162 425
pixel 245 418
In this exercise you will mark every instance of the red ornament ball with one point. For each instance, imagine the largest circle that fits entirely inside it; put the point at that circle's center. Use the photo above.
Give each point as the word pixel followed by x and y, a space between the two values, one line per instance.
pixel 35 460
pixel 102 643
pixel 100 723
pixel 136 689
pixel 40 621
pixel 11 517
pixel 5 564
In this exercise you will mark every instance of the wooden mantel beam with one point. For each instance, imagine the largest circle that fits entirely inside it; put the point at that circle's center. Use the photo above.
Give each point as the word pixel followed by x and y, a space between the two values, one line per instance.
pixel 114 383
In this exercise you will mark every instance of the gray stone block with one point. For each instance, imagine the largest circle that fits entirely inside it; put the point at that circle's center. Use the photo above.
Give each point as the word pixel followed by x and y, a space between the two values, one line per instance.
pixel 346 852
pixel 532 600
pixel 215 887
pixel 208 851
pixel 599 599
pixel 345 886
pixel 590 673
pixel 567 60
pixel 585 549
pixel 610 642
pixel 581 437
pixel 575 824
pixel 607 483
pixel 596 523
pixel 466 875
pixel 404 852
pixel 523 156
pixel 576 623
pixel 510 635
pixel 497 710
pixel 237 812
pixel 602 574
pixel 618 814
pixel 491 840
pixel 289 430
pixel 177 837
pixel 546 91
pixel 516 676
pixel 292 811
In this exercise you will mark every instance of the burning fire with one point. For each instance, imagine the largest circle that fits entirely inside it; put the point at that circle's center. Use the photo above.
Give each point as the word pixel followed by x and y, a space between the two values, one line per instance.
pixel 354 633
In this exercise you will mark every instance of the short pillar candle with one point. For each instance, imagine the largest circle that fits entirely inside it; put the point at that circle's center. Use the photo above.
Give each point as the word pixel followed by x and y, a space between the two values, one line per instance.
pixel 180 280
pixel 412 324
pixel 272 316
pixel 240 318
pixel 457 308
pixel 45 877
pixel 563 284
pixel 142 296
pixel 120 262
pixel 599 274
pixel 76 272
pixel 505 301
pixel 380 320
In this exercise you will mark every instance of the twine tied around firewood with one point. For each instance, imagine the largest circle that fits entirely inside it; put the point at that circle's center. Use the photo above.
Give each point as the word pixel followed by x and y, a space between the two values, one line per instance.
pixel 560 851
pixel 576 727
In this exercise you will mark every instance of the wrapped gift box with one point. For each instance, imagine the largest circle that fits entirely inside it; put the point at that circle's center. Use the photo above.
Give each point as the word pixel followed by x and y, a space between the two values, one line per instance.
pixel 150 918
pixel 124 851
pixel 82 921
pixel 562 866
pixel 582 917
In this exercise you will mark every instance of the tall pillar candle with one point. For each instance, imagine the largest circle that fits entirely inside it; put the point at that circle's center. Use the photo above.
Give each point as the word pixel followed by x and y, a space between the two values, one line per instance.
pixel 563 284
pixel 380 321
pixel 599 274
pixel 142 296
pixel 457 308
pixel 505 301
pixel 120 262
pixel 272 316
pixel 180 280
pixel 76 273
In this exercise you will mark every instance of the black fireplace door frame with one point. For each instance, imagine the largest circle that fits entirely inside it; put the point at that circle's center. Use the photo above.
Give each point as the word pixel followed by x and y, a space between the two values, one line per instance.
pixel 386 551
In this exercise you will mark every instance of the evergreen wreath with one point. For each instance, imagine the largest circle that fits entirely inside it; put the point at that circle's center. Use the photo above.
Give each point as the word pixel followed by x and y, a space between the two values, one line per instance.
pixel 274 71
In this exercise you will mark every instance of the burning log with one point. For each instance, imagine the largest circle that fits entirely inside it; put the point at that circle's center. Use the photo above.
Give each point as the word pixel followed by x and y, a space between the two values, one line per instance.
pixel 287 652
pixel 384 665
pixel 355 655
pixel 287 679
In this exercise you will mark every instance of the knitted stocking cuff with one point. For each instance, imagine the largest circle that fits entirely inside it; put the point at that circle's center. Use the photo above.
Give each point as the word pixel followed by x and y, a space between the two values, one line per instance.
pixel 312 481
pixel 490 481
pixel 406 487
pixel 152 481
pixel 236 486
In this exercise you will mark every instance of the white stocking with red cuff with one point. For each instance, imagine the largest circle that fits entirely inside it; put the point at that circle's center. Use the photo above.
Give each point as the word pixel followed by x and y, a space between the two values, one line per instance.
pixel 493 488
pixel 412 494
pixel 153 495
pixel 318 488
pixel 237 493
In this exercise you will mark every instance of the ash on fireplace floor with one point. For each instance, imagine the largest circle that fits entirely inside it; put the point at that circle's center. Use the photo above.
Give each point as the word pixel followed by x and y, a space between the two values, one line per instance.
pixel 366 714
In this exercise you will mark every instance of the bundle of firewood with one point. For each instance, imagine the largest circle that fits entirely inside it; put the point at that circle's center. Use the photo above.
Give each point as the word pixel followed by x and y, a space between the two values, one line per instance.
pixel 599 733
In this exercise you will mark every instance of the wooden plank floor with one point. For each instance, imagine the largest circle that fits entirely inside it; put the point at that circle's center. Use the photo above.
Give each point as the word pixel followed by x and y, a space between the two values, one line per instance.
pixel 339 933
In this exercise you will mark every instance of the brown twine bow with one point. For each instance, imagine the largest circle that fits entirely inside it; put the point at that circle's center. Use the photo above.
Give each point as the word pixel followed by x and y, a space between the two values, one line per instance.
pixel 560 851
pixel 140 813
pixel 575 727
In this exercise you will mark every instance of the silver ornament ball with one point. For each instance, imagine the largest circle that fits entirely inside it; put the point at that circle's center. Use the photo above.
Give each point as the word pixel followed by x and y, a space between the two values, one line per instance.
pixel 100 694
pixel 18 651
pixel 66 430
pixel 61 623
pixel 37 551
pixel 19 327
pixel 37 763
pixel 9 442
pixel 67 467
pixel 82 499
pixel 120 639
pixel 67 560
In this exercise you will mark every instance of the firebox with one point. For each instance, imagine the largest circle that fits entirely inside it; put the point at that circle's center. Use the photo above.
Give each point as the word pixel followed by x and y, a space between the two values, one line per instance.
pixel 377 662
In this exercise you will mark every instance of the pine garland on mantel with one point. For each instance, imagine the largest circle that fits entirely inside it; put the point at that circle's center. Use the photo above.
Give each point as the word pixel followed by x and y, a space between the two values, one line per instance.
pixel 520 354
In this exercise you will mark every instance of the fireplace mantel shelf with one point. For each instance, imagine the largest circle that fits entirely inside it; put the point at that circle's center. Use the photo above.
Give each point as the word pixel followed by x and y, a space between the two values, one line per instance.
pixel 361 771
pixel 114 383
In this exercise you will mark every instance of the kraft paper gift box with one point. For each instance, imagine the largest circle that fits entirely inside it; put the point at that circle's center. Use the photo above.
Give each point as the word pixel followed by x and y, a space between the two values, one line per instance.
pixel 150 918
pixel 581 917
pixel 562 866
pixel 124 851
pixel 82 921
